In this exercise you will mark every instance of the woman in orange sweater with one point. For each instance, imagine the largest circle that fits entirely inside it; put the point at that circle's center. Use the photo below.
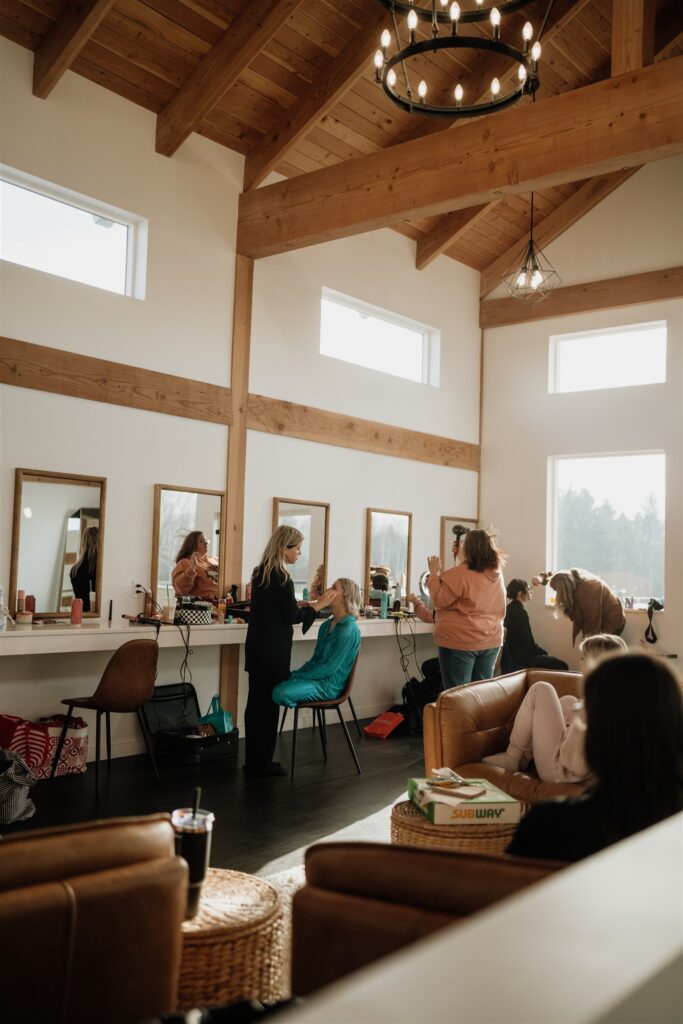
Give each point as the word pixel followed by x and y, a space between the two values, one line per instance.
pixel 196 571
pixel 469 605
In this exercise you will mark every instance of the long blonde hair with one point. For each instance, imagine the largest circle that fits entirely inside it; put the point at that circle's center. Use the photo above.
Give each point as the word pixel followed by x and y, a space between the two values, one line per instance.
pixel 273 558
pixel 351 593
pixel 89 545
pixel 564 584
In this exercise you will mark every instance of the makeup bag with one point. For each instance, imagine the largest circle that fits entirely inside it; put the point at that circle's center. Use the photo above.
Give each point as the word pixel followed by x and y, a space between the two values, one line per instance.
pixel 193 612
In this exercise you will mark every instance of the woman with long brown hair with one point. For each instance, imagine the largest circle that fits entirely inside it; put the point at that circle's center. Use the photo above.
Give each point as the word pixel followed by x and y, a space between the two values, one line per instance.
pixel 273 612
pixel 196 571
pixel 469 605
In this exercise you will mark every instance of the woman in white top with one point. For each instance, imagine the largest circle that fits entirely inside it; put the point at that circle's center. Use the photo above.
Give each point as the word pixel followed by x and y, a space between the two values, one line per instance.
pixel 551 730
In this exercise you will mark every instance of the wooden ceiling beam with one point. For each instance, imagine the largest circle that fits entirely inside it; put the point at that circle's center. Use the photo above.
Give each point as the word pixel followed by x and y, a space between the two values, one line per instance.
pixel 65 40
pixel 632 290
pixel 326 91
pixel 219 70
pixel 633 34
pixel 603 127
pixel 556 223
pixel 447 232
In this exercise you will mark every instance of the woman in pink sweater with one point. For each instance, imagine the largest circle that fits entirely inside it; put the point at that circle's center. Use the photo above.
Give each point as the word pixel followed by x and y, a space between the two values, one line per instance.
pixel 469 608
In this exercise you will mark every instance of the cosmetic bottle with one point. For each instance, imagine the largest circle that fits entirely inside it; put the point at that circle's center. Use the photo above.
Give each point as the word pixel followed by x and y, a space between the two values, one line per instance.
pixel 76 611
pixel 305 594
pixel 21 600
pixel 384 604
pixel 30 603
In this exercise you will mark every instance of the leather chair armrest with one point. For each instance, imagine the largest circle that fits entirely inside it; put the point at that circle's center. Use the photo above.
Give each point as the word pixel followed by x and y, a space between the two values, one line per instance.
pixel 431 738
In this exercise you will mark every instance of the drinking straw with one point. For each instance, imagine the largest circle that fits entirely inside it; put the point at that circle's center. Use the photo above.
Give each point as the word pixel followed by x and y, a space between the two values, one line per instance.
pixel 197 798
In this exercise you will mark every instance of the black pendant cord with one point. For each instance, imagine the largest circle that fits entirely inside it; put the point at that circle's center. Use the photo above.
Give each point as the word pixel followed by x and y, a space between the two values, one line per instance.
pixel 531 229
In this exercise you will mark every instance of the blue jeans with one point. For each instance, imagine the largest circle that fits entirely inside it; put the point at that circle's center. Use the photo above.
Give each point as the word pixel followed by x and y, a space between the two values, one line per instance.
pixel 458 667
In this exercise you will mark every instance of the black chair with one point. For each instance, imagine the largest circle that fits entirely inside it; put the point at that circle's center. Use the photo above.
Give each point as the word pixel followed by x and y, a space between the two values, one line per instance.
pixel 313 723
pixel 319 707
pixel 126 685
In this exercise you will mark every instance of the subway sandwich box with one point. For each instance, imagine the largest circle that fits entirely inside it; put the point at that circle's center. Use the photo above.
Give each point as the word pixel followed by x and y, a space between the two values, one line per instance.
pixel 443 808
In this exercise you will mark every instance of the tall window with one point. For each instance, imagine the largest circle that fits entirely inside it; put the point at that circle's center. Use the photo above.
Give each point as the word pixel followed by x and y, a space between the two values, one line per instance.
pixel 618 357
pixel 607 516
pixel 378 340
pixel 59 232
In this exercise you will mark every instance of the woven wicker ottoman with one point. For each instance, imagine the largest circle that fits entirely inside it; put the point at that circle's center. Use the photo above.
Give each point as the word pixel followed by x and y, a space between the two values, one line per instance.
pixel 234 948
pixel 409 827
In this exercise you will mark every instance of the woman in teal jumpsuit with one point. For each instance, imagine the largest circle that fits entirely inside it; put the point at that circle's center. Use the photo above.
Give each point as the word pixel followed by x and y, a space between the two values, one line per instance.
pixel 324 676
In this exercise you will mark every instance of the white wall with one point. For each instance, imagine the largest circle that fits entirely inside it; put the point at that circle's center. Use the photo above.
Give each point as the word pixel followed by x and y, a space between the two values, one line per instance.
pixel 639 228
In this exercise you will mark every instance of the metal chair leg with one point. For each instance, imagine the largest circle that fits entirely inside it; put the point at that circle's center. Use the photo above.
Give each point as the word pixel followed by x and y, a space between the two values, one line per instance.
pixel 97 754
pixel 145 736
pixel 62 737
pixel 355 718
pixel 348 739
pixel 284 715
pixel 107 719
pixel 319 713
pixel 296 722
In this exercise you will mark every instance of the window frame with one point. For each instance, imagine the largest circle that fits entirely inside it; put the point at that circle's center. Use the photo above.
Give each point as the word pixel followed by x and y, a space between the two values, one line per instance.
pixel 555 341
pixel 551 509
pixel 431 336
pixel 136 228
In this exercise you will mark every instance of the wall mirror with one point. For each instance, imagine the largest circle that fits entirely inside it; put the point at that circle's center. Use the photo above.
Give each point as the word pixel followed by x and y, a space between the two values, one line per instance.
pixel 312 518
pixel 447 537
pixel 57 541
pixel 178 511
pixel 388 546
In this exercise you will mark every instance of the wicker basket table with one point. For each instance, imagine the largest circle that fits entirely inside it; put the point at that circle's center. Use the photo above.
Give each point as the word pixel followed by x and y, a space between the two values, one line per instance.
pixel 234 948
pixel 409 827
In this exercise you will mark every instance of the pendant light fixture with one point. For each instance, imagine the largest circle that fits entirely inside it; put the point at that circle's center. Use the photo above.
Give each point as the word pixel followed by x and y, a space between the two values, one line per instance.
pixel 535 277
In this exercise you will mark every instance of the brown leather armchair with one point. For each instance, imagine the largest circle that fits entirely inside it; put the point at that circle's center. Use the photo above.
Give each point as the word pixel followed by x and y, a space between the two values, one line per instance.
pixel 363 901
pixel 90 920
pixel 472 721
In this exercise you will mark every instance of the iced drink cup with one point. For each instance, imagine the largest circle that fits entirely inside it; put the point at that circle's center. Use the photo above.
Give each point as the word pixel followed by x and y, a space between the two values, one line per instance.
pixel 193 844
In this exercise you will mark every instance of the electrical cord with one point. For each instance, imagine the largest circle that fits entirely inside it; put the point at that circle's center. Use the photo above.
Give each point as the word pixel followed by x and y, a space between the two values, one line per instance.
pixel 185 670
pixel 407 647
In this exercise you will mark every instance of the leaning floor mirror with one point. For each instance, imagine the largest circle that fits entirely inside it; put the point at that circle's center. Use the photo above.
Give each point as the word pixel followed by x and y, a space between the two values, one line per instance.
pixel 388 547
pixel 312 519
pixel 57 541
pixel 179 513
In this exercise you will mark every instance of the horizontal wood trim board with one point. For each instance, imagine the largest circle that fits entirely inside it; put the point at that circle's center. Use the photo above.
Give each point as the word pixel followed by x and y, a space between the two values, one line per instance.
pixel 273 416
pixel 621 122
pixel 42 368
pixel 655 286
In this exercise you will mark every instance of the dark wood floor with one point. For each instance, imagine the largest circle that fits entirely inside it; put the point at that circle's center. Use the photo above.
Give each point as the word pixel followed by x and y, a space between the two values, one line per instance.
pixel 257 820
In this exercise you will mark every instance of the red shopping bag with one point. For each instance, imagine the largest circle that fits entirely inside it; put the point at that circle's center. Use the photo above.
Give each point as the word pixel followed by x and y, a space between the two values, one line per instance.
pixel 28 739
pixel 74 756
pixel 384 724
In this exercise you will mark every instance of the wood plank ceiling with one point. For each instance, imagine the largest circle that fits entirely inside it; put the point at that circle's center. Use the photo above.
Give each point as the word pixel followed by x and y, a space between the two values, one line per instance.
pixel 292 81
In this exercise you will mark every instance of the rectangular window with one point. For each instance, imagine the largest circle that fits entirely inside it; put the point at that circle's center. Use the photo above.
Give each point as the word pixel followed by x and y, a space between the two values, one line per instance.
pixel 619 357
pixel 607 516
pixel 59 232
pixel 378 340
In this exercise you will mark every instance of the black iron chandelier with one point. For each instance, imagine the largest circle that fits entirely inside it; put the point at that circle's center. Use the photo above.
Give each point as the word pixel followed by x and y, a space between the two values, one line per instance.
pixel 391 68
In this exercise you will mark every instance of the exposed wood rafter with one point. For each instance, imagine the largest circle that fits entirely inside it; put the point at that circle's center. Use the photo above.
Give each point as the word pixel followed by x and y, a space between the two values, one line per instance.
pixel 447 232
pixel 633 34
pixel 336 80
pixel 219 70
pixel 654 286
pixel 64 41
pixel 622 122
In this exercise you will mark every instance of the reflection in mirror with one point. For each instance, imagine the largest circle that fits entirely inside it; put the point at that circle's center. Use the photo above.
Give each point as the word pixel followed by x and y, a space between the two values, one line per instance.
pixel 57 541
pixel 178 512
pixel 388 542
pixel 448 537
pixel 311 518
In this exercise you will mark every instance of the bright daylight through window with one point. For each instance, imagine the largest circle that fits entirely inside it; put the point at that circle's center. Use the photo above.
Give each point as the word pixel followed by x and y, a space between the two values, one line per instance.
pixel 617 357
pixel 378 340
pixel 607 516
pixel 57 232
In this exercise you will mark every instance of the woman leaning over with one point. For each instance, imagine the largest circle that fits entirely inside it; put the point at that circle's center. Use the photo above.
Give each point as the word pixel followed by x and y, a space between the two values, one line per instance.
pixel 587 601
pixel 469 602
pixel 273 612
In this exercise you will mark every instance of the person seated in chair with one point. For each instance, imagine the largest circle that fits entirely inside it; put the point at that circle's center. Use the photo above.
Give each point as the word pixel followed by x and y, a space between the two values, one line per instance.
pixel 324 676
pixel 520 650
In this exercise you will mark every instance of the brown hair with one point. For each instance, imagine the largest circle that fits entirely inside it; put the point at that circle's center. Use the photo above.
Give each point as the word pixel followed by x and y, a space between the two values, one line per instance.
pixel 189 545
pixel 480 552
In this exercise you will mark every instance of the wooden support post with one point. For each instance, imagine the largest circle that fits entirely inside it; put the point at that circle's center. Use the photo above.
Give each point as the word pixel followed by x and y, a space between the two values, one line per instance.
pixel 633 35
pixel 232 527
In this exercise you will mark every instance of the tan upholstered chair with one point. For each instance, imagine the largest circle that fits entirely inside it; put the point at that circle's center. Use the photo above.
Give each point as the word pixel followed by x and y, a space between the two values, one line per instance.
pixel 470 722
pixel 363 901
pixel 126 685
pixel 90 922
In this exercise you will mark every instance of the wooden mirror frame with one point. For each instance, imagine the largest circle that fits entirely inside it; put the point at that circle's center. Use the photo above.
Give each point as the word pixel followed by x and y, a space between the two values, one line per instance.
pixel 368 549
pixel 445 520
pixel 315 504
pixel 156 524
pixel 48 476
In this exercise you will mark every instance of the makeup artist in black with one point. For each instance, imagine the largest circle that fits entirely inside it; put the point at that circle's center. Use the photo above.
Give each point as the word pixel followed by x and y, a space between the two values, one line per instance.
pixel 273 611
pixel 84 570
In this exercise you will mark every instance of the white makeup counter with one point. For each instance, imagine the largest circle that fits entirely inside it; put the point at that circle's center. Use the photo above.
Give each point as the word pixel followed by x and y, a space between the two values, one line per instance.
pixel 105 636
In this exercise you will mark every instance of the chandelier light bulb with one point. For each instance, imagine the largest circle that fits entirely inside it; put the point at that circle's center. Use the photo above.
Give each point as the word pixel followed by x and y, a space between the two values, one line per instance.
pixel 391 78
pixel 444 3
pixel 455 11
pixel 422 90
pixel 385 39
pixel 521 73
pixel 495 17
pixel 527 32
pixel 459 93
pixel 521 280
pixel 479 3
pixel 495 88
pixel 536 52
pixel 536 279
pixel 379 59
pixel 412 21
